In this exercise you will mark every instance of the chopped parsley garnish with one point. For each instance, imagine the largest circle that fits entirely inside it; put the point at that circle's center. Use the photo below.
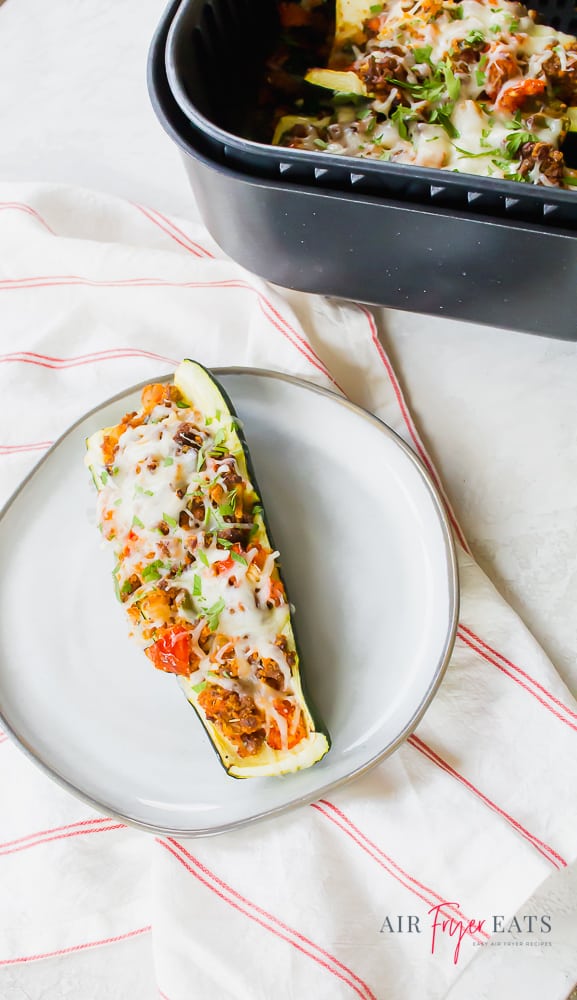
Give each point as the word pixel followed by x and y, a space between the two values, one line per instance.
pixel 196 586
pixel 442 116
pixel 442 83
pixel 208 421
pixel 456 14
pixel 182 405
pixel 472 156
pixel 475 37
pixel 213 614
pixel 423 54
pixel 513 25
pixel 518 137
pixel 207 513
pixel 203 557
pixel 127 588
pixel 169 520
pixel 219 437
pixel 452 83
pixel 136 522
pixel 150 572
pixel 400 117
pixel 495 29
pixel 168 460
pixel 238 558
pixel 508 169
pixel 376 8
pixel 228 508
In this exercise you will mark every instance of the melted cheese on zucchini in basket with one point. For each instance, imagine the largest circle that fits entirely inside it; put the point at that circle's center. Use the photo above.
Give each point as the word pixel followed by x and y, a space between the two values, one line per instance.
pixel 197 576
pixel 469 86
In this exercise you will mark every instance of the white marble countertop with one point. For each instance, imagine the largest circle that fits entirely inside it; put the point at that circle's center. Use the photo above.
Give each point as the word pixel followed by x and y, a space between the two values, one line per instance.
pixel 498 410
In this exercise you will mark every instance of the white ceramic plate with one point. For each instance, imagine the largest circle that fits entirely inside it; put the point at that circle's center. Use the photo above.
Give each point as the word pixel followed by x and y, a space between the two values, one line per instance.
pixel 369 563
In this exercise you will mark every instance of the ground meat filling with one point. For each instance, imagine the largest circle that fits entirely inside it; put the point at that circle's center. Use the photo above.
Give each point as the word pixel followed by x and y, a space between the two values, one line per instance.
pixel 563 81
pixel 236 716
pixel 188 436
pixel 271 674
pixel 377 73
pixel 549 161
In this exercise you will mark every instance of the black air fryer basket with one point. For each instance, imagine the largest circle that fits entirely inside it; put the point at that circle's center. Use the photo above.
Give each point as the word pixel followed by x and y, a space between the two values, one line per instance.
pixel 416 238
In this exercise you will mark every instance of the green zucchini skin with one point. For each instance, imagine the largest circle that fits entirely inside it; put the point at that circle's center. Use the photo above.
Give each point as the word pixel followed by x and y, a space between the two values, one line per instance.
pixel 195 371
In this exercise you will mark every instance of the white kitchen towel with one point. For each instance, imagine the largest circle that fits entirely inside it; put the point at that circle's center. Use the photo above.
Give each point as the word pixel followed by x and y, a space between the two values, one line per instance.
pixel 387 888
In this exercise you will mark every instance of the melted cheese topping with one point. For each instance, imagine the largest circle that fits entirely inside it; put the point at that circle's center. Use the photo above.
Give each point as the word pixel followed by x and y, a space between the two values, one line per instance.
pixel 195 570
pixel 471 86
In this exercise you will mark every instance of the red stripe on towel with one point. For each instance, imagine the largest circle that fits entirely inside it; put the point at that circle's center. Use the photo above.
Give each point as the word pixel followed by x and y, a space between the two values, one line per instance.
pixel 411 426
pixel 267 920
pixel 338 817
pixel 13 449
pixel 60 833
pixel 500 666
pixel 189 244
pixel 76 947
pixel 523 673
pixel 19 206
pixel 540 845
pixel 192 248
pixel 49 361
pixel 268 309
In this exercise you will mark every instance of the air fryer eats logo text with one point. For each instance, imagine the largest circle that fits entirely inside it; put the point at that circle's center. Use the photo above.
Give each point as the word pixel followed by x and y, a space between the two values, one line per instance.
pixel 491 930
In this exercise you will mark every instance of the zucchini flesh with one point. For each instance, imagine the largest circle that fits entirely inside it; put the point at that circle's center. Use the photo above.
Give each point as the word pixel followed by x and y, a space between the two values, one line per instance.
pixel 197 573
pixel 340 81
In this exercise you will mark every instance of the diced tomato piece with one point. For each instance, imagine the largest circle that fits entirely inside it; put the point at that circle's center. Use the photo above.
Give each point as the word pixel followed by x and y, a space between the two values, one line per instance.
pixel 261 554
pixel 515 96
pixel 277 592
pixel 172 652
pixel 222 565
pixel 287 710
pixel 153 395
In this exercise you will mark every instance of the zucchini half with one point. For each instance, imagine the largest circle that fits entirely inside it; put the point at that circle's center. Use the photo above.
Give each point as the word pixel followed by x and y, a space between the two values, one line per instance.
pixel 213 410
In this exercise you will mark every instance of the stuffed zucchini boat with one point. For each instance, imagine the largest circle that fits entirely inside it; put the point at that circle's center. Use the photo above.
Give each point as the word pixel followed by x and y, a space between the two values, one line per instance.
pixel 198 575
